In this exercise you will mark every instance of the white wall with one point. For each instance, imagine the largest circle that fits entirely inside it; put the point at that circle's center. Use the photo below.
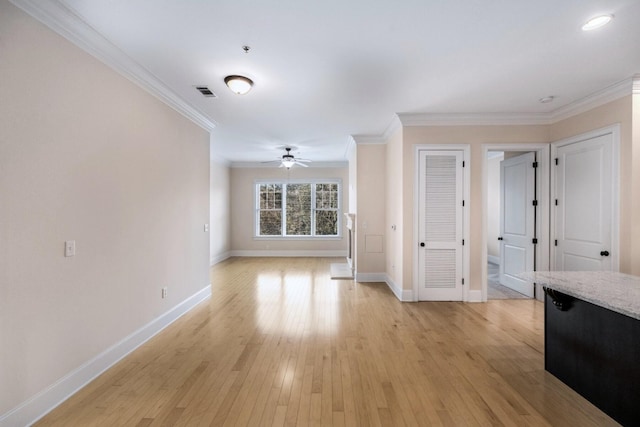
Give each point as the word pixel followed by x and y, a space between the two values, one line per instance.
pixel 86 155
pixel 243 208
pixel 220 210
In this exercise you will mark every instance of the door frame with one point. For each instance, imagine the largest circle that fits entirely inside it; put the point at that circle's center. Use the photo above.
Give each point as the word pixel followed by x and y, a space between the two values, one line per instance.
pixel 543 150
pixel 466 156
pixel 614 130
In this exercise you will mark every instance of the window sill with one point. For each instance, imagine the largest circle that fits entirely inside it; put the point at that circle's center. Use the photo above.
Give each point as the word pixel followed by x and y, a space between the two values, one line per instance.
pixel 293 238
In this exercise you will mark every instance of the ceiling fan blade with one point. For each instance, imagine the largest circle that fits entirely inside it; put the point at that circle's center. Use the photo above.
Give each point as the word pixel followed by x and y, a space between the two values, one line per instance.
pixel 301 164
pixel 303 160
pixel 272 161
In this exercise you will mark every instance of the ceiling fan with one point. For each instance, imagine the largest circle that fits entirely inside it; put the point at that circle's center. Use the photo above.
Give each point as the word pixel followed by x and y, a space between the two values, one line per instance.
pixel 288 160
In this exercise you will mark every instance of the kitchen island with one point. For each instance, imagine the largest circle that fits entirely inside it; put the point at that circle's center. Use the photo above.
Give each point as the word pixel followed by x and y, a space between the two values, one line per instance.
pixel 592 337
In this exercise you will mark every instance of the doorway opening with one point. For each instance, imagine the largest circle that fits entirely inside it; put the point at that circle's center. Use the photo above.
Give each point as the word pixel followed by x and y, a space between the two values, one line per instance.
pixel 515 234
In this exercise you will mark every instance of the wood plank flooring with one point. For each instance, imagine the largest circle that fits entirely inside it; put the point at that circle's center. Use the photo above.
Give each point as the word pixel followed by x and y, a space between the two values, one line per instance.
pixel 280 343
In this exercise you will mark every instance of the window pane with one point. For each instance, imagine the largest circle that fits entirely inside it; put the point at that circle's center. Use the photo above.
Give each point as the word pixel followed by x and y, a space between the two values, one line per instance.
pixel 270 196
pixel 298 209
pixel 326 223
pixel 326 196
pixel 270 223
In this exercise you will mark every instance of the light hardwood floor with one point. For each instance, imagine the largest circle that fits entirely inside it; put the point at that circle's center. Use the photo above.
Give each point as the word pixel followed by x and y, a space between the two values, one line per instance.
pixel 280 343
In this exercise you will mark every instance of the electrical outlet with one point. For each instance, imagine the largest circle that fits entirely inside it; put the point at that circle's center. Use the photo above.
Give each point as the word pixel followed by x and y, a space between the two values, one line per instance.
pixel 69 248
pixel 164 292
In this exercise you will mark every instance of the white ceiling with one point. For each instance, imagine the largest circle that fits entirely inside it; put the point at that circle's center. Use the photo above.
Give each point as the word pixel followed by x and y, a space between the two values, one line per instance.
pixel 325 70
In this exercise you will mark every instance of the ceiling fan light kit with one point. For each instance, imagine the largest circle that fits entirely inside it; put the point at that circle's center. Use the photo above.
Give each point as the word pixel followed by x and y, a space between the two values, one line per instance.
pixel 288 160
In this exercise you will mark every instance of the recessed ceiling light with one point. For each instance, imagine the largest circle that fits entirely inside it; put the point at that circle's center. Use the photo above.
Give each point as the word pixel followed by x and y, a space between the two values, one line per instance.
pixel 546 99
pixel 597 22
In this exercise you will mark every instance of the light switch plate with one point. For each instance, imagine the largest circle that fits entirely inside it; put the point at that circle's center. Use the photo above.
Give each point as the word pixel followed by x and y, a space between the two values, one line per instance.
pixel 69 248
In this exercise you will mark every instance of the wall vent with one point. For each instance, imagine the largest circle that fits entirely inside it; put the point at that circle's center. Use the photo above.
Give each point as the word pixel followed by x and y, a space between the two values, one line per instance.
pixel 206 92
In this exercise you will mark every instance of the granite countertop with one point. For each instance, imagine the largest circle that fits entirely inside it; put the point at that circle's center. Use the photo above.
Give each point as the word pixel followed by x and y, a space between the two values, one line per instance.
pixel 616 291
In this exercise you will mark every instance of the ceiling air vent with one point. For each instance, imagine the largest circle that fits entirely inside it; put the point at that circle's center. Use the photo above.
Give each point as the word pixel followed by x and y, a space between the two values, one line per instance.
pixel 206 92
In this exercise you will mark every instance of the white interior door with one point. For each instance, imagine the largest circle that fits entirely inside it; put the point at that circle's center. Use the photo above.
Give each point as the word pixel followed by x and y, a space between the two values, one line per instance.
pixel 517 221
pixel 584 196
pixel 440 223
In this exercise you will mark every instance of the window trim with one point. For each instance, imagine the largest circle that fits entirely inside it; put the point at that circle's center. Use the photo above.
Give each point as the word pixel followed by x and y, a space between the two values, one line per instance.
pixel 313 182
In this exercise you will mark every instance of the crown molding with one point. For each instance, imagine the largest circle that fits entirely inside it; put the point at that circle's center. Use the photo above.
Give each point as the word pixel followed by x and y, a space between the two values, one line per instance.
pixel 351 146
pixel 270 165
pixel 392 128
pixel 369 139
pixel 473 119
pixel 394 125
pixel 636 84
pixel 63 21
pixel 596 99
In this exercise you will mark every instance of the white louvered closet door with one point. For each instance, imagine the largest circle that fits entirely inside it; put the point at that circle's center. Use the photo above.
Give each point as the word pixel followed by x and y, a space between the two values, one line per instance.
pixel 440 225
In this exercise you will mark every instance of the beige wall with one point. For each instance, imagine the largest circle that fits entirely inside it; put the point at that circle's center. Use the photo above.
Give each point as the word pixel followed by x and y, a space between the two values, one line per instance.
pixel 243 208
pixel 493 205
pixel 371 226
pixel 619 111
pixel 86 155
pixel 220 210
pixel 394 202
pixel 352 158
pixel 475 136
pixel 633 205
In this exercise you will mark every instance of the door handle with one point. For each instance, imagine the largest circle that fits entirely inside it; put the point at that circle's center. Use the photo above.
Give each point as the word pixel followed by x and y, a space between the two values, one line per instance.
pixel 499 238
pixel 604 253
pixel 422 244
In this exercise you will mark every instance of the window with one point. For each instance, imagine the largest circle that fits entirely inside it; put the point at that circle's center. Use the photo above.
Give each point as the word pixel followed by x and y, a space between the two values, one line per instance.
pixel 298 209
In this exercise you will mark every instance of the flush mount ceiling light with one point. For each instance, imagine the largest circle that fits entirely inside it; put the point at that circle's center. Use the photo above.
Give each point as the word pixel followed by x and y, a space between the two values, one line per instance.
pixel 546 99
pixel 597 22
pixel 239 84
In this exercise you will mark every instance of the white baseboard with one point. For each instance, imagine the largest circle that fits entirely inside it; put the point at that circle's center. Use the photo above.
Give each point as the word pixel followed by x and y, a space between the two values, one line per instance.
pixel 370 277
pixel 475 295
pixel 42 403
pixel 403 295
pixel 493 259
pixel 219 258
pixel 277 253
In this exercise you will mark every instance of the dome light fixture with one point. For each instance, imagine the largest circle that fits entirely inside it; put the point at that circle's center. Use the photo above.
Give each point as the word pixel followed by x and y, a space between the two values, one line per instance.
pixel 597 22
pixel 288 163
pixel 239 84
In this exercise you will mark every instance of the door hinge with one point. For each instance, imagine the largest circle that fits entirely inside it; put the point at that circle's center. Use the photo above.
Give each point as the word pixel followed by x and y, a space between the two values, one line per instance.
pixel 556 202
pixel 556 242
pixel 556 161
pixel 535 203
pixel 535 165
pixel 463 203
pixel 462 242
pixel 463 163
pixel 463 280
pixel 534 241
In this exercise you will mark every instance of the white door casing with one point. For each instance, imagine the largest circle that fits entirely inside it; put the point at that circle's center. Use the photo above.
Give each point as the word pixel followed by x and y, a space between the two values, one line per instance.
pixel 585 202
pixel 440 225
pixel 517 221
